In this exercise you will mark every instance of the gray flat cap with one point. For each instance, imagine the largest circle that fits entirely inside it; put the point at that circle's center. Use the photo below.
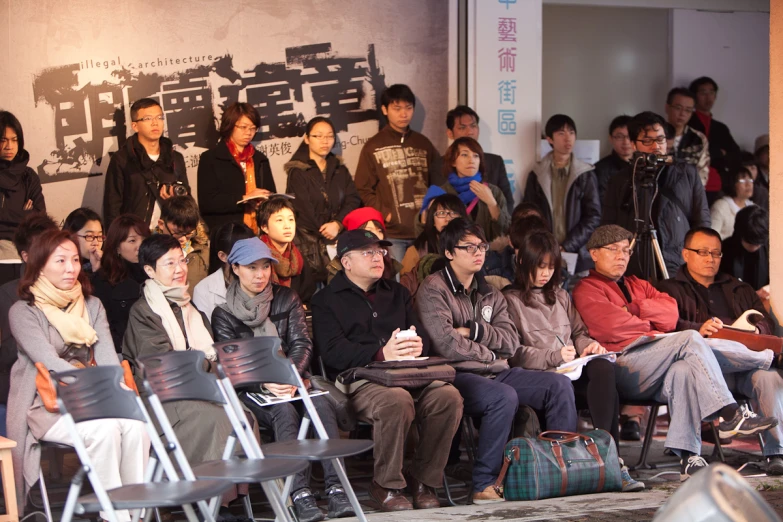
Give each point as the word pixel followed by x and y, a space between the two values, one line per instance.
pixel 606 235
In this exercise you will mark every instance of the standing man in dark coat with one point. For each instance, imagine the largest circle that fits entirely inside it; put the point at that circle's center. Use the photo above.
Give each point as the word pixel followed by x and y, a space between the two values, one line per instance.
pixel 618 159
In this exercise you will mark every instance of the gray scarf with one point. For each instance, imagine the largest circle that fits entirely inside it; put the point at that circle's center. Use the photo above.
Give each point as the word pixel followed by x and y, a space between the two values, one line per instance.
pixel 253 311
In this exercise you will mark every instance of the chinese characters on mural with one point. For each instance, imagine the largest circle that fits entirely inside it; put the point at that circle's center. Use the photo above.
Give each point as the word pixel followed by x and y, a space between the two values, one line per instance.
pixel 90 118
pixel 507 123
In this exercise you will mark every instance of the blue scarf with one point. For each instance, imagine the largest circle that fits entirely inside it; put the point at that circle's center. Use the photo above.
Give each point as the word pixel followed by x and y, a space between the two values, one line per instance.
pixel 462 186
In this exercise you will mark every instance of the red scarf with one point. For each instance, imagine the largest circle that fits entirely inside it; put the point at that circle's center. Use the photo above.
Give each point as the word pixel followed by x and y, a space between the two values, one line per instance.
pixel 289 263
pixel 245 161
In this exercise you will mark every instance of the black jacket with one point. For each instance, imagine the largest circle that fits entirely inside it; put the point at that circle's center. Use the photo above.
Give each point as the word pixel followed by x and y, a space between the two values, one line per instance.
pixel 349 329
pixel 8 352
pixel 694 311
pixel 118 299
pixel 725 154
pixel 320 197
pixel 288 316
pixel 133 179
pixel 18 184
pixel 221 183
pixel 751 267
pixel 495 174
pixel 582 206
pixel 605 170
pixel 672 218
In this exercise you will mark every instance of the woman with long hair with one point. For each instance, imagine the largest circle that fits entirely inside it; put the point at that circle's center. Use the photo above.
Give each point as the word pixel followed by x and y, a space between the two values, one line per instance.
pixel 87 225
pixel 118 282
pixel 59 324
pixel 440 211
pixel 324 193
pixel 551 332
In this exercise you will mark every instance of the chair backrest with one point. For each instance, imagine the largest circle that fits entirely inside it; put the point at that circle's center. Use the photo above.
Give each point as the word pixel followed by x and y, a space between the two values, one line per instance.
pixel 179 376
pixel 95 393
pixel 254 361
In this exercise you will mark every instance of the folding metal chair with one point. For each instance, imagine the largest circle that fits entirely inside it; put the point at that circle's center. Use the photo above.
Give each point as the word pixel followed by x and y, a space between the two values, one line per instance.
pixel 249 363
pixel 179 376
pixel 95 393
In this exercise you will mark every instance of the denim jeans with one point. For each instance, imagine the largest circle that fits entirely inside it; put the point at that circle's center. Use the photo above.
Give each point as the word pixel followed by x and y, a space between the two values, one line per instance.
pixel 680 370
pixel 398 248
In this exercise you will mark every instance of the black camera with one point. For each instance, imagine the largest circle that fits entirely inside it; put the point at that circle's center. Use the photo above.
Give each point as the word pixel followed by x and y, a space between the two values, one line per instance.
pixel 175 189
pixel 648 162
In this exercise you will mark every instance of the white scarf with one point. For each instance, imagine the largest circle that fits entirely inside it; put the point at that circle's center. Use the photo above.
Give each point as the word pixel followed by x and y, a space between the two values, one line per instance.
pixel 158 297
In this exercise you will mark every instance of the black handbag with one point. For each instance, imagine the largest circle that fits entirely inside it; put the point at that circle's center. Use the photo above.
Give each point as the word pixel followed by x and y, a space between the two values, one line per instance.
pixel 410 374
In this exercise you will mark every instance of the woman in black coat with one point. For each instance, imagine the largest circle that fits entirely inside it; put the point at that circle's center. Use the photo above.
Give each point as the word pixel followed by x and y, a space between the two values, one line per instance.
pixel 324 193
pixel 255 307
pixel 234 170
pixel 118 282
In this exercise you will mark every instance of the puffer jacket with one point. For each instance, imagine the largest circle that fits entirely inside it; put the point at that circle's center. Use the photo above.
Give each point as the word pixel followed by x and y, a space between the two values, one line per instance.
pixel 132 179
pixel 443 306
pixel 672 218
pixel 288 316
pixel 18 184
pixel 582 207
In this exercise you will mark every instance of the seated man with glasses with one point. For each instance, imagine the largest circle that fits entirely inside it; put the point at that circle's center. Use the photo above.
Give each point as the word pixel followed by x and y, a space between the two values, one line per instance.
pixel 146 169
pixel 180 219
pixel 356 319
pixel 679 206
pixel 707 301
pixel 469 323
pixel 629 316
pixel 690 145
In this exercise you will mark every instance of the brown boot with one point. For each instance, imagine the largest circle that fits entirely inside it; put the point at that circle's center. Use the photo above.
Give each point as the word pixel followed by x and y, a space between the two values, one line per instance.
pixel 389 499
pixel 487 496
pixel 424 497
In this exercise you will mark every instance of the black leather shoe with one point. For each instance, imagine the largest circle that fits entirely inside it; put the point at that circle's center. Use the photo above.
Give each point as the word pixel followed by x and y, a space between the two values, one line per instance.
pixel 630 430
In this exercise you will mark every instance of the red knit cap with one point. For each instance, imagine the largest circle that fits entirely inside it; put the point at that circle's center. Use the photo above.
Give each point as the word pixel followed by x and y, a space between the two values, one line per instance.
pixel 360 216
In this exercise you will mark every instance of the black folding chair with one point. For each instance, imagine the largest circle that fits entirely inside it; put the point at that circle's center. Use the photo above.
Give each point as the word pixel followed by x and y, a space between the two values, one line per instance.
pixel 95 393
pixel 249 363
pixel 179 376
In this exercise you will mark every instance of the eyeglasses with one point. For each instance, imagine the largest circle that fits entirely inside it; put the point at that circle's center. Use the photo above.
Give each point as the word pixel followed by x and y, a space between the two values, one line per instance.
pixel 179 235
pixel 320 137
pixel 614 250
pixel 246 128
pixel 372 253
pixel 680 108
pixel 89 238
pixel 660 140
pixel 172 265
pixel 746 180
pixel 446 214
pixel 703 252
pixel 148 119
pixel 471 249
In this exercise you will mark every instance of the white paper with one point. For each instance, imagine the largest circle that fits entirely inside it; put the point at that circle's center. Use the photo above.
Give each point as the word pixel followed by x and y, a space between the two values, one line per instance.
pixel 743 322
pixel 264 399
pixel 570 259
pixel 573 369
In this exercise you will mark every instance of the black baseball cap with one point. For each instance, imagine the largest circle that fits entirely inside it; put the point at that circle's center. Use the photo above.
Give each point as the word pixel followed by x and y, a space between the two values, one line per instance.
pixel 356 239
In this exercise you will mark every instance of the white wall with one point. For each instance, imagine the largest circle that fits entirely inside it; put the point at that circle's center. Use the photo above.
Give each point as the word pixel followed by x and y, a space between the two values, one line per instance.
pixel 733 49
pixel 596 65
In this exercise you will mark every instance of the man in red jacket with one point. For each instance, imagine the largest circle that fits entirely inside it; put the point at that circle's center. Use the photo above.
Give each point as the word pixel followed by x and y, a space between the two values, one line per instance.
pixel 629 316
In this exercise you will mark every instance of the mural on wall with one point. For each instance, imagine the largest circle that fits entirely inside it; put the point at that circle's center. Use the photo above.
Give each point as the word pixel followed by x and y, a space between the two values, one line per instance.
pixel 90 118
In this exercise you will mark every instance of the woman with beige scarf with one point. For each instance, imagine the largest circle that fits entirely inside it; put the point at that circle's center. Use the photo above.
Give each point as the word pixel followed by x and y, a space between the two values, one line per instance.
pixel 162 320
pixel 58 324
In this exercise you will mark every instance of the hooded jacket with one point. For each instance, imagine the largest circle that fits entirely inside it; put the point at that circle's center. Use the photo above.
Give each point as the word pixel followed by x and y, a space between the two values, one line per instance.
pixel 221 183
pixel 320 197
pixel 18 184
pixel 288 316
pixel 694 311
pixel 673 218
pixel 582 206
pixel 133 180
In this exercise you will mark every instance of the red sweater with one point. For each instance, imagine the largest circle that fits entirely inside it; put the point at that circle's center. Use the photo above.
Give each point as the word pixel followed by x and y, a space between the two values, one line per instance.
pixel 600 302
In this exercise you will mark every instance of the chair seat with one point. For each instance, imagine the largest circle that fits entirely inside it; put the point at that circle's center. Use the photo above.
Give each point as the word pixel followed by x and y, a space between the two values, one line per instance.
pixel 158 494
pixel 316 449
pixel 250 470
pixel 55 445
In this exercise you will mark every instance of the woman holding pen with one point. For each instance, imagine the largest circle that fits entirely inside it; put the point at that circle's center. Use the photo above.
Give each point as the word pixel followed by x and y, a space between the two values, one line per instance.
pixel 551 333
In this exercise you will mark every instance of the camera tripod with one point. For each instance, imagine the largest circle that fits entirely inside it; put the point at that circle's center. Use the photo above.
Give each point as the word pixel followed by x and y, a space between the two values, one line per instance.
pixel 645 173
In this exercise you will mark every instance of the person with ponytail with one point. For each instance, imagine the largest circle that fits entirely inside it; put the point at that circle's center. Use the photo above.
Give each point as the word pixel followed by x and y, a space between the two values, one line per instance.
pixel 59 324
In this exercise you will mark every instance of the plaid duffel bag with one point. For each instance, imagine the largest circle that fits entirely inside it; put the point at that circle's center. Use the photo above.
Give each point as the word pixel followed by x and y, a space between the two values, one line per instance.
pixel 559 464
